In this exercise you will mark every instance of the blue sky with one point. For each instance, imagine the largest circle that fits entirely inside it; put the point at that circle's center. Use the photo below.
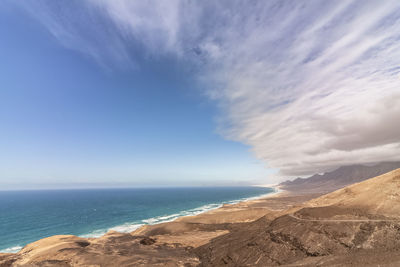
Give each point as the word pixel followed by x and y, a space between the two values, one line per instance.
pixel 68 121
pixel 195 92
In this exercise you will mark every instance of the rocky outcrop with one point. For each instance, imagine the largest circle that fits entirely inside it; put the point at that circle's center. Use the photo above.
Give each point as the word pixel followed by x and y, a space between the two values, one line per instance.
pixel 113 249
pixel 287 240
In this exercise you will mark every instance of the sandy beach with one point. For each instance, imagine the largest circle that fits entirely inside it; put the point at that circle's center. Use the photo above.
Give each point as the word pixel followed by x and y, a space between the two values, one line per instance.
pixel 197 230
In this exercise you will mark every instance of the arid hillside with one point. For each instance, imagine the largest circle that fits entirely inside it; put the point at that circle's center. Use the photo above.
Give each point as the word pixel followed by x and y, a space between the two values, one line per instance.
pixel 356 226
pixel 379 195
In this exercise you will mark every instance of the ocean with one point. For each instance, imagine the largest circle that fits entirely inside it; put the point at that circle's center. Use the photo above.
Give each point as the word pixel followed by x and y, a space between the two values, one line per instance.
pixel 26 216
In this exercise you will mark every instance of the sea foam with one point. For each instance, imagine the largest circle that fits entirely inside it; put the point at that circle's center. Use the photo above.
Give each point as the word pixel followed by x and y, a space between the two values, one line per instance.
pixel 11 250
pixel 132 226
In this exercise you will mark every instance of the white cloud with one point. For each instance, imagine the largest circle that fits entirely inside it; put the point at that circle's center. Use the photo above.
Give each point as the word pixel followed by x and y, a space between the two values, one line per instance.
pixel 155 24
pixel 309 85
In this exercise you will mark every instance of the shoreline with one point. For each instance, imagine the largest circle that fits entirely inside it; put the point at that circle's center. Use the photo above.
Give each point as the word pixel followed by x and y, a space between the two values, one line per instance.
pixel 246 210
pixel 175 241
pixel 195 213
pixel 163 219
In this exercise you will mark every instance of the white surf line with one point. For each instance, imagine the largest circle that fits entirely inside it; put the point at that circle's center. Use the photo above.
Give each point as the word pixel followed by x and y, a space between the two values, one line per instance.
pixel 14 249
pixel 130 227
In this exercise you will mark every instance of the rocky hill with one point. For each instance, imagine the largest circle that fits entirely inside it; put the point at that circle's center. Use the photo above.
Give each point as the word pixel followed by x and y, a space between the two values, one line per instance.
pixel 355 226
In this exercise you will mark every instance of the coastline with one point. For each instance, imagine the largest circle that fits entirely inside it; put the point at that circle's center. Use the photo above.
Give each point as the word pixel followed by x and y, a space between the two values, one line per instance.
pixel 191 213
pixel 275 229
pixel 164 219
pixel 177 241
pixel 271 205
pixel 196 214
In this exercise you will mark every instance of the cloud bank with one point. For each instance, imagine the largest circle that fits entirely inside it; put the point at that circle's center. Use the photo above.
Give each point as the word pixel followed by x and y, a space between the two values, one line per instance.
pixel 309 85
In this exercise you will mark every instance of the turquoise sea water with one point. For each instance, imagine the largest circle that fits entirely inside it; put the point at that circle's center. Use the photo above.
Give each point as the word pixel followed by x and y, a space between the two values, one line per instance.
pixel 26 216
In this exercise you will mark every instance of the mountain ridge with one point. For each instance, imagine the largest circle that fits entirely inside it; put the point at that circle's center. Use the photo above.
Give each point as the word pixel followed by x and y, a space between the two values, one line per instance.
pixel 338 178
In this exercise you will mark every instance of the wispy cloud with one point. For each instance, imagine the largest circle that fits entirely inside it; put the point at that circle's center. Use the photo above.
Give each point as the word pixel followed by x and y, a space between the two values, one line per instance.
pixel 309 85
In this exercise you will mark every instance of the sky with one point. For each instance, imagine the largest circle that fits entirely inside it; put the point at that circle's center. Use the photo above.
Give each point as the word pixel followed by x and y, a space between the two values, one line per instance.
pixel 154 93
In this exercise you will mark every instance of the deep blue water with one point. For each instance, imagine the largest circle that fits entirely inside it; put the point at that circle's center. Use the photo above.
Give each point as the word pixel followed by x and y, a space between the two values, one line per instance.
pixel 26 216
